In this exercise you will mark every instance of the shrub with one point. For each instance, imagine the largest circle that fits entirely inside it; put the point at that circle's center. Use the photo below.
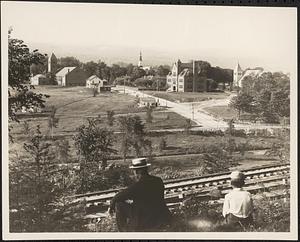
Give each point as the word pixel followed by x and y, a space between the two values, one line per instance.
pixel 162 144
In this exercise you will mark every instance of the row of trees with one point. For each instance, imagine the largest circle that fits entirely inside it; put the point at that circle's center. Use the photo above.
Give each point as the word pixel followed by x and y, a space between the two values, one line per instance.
pixel 100 68
pixel 217 74
pixel 266 96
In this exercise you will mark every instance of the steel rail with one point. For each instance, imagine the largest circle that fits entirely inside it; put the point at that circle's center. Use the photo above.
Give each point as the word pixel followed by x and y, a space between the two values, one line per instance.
pixel 195 185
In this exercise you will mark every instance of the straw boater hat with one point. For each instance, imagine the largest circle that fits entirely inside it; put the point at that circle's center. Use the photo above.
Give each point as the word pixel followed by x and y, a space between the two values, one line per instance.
pixel 139 163
pixel 237 176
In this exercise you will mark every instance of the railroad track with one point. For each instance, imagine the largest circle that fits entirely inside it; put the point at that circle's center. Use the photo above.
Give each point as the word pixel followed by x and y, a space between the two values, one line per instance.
pixel 257 179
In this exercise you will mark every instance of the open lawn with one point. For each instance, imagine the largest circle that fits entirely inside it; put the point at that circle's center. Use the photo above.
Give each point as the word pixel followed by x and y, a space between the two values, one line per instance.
pixel 68 123
pixel 80 101
pixel 188 96
pixel 182 153
pixel 76 104
pixel 223 112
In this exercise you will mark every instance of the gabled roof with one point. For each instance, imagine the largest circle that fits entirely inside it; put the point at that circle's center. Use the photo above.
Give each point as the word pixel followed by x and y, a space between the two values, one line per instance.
pixel 185 72
pixel 39 75
pixel 52 57
pixel 93 77
pixel 251 72
pixel 64 71
pixel 238 67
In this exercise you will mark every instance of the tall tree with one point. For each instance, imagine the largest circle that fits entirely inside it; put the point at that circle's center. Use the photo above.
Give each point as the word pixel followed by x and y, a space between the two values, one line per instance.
pixel 90 68
pixel 68 61
pixel 34 186
pixel 243 102
pixel 94 147
pixel 52 121
pixel 163 70
pixel 110 117
pixel 149 116
pixel 20 58
pixel 133 135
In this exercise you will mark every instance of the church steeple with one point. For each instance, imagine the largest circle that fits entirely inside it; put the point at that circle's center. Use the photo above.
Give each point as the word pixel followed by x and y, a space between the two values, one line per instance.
pixel 140 60
pixel 237 74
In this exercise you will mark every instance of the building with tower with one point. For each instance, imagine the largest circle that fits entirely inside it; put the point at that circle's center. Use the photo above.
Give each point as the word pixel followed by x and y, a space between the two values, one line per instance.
pixel 185 77
pixel 239 74
pixel 140 63
pixel 52 64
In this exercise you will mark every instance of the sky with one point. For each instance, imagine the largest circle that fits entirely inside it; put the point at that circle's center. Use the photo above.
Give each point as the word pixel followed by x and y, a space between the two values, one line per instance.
pixel 252 36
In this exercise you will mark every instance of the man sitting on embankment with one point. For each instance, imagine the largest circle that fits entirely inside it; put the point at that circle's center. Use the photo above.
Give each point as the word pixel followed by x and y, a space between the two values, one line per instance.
pixel 148 210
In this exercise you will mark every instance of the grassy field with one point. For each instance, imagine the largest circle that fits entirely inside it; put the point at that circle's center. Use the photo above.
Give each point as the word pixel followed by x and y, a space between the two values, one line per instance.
pixel 182 150
pixel 188 96
pixel 76 104
pixel 223 112
pixel 80 101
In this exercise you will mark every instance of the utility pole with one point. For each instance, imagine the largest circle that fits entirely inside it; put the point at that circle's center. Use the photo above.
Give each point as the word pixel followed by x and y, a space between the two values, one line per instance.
pixel 192 111
pixel 194 75
pixel 124 85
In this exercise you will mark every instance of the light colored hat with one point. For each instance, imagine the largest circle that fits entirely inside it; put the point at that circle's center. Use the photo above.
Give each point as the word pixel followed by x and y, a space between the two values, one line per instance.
pixel 237 175
pixel 139 163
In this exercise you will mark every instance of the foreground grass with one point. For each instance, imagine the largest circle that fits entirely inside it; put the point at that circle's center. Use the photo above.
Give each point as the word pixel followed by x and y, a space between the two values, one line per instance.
pixel 182 156
pixel 201 216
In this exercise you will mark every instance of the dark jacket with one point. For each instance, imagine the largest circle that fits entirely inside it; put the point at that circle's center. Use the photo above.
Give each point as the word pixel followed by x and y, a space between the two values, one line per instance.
pixel 149 207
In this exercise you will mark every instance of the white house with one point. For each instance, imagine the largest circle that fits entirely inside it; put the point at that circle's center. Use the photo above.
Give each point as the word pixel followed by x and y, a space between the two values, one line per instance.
pixel 39 79
pixel 95 81
pixel 147 102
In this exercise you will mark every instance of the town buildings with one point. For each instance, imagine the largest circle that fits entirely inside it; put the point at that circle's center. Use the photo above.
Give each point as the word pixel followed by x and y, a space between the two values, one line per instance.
pixel 239 74
pixel 71 76
pixel 185 77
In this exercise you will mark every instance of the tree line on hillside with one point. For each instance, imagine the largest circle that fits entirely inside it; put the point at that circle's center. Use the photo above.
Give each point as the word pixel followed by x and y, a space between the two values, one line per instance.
pixel 265 97
pixel 132 75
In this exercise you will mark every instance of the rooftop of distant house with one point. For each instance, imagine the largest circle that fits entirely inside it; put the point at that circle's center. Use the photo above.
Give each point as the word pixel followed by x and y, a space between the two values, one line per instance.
pixel 64 71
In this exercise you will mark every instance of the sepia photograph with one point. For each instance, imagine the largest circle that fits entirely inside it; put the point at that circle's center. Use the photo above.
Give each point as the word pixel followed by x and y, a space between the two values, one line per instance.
pixel 148 121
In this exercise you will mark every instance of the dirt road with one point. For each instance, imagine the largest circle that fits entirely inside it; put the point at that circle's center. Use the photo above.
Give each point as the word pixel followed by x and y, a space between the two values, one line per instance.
pixel 195 111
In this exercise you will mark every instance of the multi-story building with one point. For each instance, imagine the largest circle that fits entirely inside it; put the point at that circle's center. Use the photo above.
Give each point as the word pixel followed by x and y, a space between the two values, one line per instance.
pixel 185 77
pixel 239 74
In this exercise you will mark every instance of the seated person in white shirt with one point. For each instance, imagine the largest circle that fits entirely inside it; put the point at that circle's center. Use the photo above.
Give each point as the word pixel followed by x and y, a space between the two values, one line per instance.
pixel 238 205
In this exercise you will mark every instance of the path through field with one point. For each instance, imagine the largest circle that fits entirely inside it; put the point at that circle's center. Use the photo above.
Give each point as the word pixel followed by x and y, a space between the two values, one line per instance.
pixel 195 111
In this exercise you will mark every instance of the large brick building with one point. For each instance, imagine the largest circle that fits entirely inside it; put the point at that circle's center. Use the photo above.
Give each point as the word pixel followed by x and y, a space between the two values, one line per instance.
pixel 71 76
pixel 185 77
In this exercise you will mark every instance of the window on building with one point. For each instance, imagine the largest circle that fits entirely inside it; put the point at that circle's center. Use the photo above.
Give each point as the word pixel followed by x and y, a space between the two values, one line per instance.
pixel 180 86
